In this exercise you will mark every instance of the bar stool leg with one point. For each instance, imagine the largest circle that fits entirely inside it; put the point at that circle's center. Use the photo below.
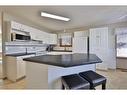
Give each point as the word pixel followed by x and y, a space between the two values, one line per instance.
pixel 92 87
pixel 63 87
pixel 103 86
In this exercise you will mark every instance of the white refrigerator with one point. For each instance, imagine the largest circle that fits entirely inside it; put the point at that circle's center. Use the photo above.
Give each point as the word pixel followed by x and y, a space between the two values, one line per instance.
pixel 80 45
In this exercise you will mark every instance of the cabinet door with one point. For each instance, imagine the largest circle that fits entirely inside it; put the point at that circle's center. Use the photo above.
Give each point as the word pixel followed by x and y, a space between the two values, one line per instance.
pixel 81 33
pixel 79 45
pixel 35 35
pixel 25 28
pixel 20 68
pixel 11 68
pixel 53 39
pixel 15 25
pixel 99 45
pixel 99 38
pixel 46 37
pixel 94 40
pixel 40 35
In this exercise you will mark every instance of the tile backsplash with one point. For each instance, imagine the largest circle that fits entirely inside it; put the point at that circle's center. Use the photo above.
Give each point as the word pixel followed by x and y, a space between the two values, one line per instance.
pixel 22 49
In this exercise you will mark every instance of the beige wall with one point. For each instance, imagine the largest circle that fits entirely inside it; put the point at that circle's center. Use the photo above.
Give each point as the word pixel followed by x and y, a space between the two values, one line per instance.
pixel 113 25
pixel 1 67
pixel 0 34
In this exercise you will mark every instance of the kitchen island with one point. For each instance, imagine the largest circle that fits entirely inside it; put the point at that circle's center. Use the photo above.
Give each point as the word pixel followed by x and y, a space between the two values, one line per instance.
pixel 44 72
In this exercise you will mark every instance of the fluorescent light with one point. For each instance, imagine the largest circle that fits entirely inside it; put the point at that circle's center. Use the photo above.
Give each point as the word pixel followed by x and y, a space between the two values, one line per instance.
pixel 44 14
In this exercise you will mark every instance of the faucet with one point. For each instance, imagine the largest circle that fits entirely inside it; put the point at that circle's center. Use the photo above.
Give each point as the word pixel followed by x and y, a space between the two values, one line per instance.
pixel 26 50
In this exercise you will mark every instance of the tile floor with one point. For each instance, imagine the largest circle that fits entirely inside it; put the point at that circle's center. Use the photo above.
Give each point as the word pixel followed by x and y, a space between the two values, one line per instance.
pixel 6 84
pixel 116 79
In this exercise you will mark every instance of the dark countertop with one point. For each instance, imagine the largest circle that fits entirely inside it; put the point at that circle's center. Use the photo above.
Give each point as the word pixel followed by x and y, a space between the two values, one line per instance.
pixel 67 60
pixel 19 54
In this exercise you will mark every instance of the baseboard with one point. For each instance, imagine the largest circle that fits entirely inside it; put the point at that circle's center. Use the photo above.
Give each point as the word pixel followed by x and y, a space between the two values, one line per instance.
pixel 122 68
pixel 21 78
pixel 4 78
pixel 101 70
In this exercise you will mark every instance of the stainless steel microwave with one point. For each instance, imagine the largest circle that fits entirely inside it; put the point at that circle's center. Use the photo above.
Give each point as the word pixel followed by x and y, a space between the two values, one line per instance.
pixel 19 37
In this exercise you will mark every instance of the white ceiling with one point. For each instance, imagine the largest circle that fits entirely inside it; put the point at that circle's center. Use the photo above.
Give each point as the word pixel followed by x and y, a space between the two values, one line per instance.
pixel 80 16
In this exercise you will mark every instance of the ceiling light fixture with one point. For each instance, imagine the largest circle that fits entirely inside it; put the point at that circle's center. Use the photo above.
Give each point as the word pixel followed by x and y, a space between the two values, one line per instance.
pixel 44 14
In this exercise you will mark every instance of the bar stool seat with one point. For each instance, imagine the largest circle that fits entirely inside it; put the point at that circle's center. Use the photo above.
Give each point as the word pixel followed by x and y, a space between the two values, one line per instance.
pixel 94 79
pixel 74 81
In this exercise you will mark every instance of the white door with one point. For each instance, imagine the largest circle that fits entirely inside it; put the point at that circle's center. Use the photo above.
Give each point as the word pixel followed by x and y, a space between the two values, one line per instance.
pixel 80 45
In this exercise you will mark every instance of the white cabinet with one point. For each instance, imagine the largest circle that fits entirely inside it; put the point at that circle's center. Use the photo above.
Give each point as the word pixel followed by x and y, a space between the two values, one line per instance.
pixel 84 33
pixel 16 67
pixel 20 68
pixel 47 38
pixel 15 25
pixel 53 39
pixel 80 44
pixel 19 26
pixel 39 35
pixel 99 45
pixel 80 41
pixel 35 34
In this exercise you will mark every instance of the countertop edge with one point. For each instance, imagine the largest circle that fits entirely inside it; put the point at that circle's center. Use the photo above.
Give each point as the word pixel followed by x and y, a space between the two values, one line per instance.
pixel 48 63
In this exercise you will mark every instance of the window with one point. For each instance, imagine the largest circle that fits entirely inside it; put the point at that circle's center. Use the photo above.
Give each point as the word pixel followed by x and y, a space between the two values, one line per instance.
pixel 121 42
pixel 65 40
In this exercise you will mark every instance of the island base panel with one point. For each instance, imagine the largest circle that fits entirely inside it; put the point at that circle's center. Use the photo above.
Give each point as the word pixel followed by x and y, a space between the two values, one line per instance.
pixel 42 76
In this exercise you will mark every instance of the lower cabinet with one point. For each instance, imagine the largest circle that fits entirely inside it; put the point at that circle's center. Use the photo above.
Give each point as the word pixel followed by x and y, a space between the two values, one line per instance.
pixel 20 68
pixel 15 68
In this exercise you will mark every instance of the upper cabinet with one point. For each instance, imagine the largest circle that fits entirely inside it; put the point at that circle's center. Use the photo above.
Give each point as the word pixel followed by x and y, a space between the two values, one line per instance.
pixel 47 38
pixel 53 38
pixel 19 26
pixel 36 34
pixel 84 33
pixel 99 38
